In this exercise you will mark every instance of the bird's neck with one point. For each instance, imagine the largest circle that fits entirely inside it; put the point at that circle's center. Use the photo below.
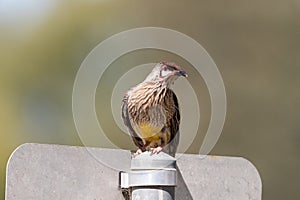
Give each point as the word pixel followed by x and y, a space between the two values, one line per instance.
pixel 148 90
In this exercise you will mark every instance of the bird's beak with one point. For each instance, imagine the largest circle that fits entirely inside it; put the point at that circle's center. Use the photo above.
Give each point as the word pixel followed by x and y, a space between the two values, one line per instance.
pixel 182 73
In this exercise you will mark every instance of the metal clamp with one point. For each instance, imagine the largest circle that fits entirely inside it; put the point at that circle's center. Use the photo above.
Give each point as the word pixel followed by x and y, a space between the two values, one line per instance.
pixel 165 177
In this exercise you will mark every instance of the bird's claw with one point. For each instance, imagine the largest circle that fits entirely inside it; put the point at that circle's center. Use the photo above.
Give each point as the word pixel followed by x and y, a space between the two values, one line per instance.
pixel 138 152
pixel 155 150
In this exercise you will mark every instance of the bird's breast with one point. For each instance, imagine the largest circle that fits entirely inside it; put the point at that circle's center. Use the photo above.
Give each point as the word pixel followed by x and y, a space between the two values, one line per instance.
pixel 149 132
pixel 150 109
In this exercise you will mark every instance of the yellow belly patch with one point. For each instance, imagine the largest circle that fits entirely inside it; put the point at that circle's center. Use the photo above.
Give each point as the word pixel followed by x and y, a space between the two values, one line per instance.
pixel 149 132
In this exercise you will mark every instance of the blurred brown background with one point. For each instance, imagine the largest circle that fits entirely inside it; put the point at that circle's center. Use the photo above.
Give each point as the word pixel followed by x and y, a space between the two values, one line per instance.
pixel 255 44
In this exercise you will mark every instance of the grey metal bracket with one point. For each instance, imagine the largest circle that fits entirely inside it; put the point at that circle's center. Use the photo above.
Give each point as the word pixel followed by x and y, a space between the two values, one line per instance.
pixel 43 171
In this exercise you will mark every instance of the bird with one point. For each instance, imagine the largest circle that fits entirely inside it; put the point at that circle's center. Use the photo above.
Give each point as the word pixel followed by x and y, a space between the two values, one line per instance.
pixel 150 110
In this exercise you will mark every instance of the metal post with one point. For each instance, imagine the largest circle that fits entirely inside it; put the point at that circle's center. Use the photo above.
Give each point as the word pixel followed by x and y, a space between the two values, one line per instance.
pixel 161 193
pixel 151 177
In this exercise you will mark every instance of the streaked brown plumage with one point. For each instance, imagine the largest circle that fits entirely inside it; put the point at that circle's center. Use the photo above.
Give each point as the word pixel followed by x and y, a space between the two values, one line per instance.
pixel 151 113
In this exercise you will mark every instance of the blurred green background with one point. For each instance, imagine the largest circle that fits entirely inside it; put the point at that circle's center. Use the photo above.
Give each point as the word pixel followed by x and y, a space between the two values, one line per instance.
pixel 255 44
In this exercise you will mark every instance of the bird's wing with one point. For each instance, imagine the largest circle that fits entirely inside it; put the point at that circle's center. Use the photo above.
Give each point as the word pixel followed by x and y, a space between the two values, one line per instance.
pixel 126 119
pixel 173 124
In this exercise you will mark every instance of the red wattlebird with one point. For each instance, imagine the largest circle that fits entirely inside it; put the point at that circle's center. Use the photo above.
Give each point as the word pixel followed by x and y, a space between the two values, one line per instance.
pixel 151 113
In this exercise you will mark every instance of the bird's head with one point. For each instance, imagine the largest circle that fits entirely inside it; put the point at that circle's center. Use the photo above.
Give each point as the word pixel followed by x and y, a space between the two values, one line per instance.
pixel 166 73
